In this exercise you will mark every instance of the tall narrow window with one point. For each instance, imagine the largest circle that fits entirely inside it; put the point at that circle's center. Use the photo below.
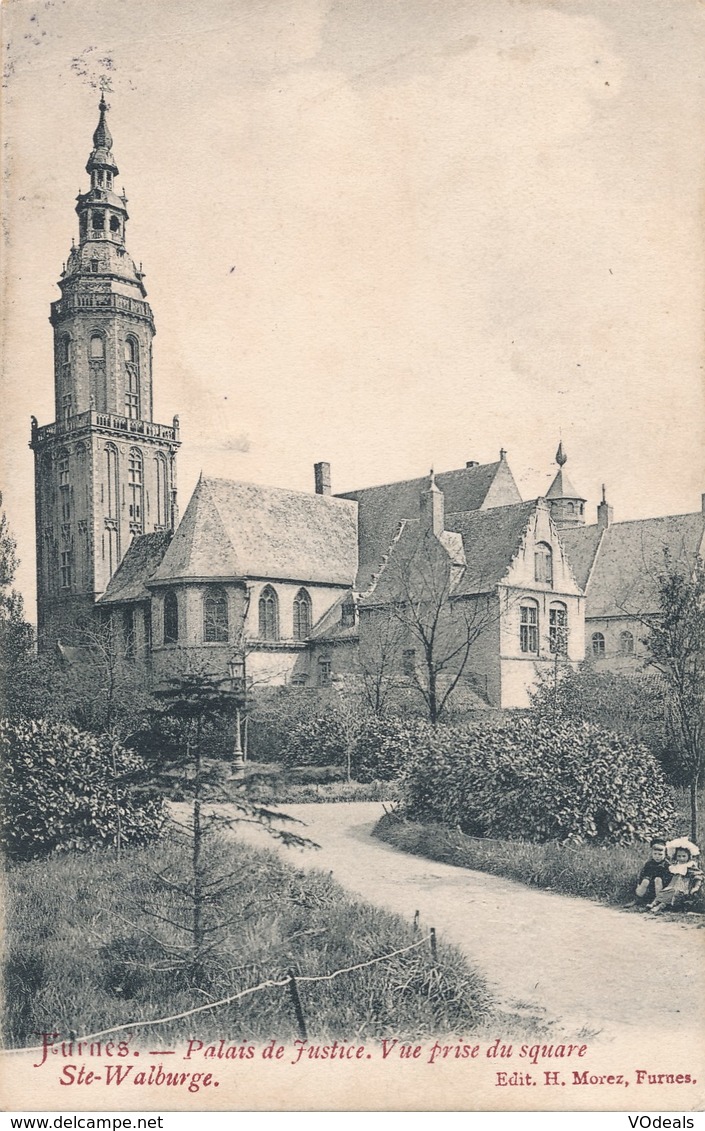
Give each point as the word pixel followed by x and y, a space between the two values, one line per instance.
pixel 132 379
pixel 529 628
pixel 96 365
pixel 347 615
pixel 111 481
pixel 128 632
pixel 162 481
pixel 64 486
pixel 66 571
pixel 65 362
pixel 325 671
pixel 558 629
pixel 543 563
pixel 268 614
pixel 136 489
pixel 215 617
pixel 302 615
pixel 598 644
pixel 171 618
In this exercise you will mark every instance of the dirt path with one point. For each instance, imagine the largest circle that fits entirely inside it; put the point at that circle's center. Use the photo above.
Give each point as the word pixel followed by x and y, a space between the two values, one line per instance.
pixel 593 969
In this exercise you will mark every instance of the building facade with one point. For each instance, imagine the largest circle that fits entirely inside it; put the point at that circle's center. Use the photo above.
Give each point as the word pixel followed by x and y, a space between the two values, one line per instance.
pixel 308 587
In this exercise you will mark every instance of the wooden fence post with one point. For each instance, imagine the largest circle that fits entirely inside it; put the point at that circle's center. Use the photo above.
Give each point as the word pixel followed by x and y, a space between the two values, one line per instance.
pixel 416 921
pixel 298 1010
pixel 434 949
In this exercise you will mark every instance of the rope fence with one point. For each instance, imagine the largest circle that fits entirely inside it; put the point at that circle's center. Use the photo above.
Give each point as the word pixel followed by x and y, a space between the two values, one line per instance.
pixel 290 980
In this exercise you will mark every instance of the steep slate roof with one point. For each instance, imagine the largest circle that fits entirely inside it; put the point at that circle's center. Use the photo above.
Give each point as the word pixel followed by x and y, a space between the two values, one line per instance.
pixel 245 530
pixel 629 558
pixel 142 558
pixel 382 509
pixel 490 538
pixel 580 544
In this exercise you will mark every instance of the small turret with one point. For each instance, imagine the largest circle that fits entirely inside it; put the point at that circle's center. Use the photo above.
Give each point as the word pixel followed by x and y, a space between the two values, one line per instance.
pixel 567 506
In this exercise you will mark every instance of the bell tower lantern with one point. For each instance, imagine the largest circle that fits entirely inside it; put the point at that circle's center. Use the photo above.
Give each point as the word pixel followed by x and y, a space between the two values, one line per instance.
pixel 104 470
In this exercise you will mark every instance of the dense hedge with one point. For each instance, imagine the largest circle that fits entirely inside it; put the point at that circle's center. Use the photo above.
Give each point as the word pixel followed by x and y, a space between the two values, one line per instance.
pixel 534 780
pixel 62 788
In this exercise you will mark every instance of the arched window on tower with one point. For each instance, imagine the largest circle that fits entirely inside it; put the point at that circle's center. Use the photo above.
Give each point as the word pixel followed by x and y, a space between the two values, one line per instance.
pixel 64 486
pixel 268 614
pixel 215 617
pixel 135 486
pixel 302 615
pixel 171 618
pixel 132 379
pixel 162 480
pixel 111 481
pixel 543 563
pixel 96 364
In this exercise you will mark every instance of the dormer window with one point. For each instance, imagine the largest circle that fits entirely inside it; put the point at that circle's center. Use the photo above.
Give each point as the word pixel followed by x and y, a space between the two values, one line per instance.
pixel 347 615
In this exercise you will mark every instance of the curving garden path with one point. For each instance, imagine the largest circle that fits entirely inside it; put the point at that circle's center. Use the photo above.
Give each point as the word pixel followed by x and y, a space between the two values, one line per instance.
pixel 587 968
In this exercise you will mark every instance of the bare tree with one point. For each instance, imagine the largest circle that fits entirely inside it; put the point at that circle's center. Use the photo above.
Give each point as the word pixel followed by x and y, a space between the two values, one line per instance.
pixel 419 590
pixel 380 650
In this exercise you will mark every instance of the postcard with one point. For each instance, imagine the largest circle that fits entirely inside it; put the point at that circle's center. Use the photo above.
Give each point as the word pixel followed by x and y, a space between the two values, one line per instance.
pixel 351 555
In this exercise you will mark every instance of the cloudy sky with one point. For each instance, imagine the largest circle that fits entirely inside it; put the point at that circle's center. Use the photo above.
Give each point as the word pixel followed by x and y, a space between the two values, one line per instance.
pixel 387 234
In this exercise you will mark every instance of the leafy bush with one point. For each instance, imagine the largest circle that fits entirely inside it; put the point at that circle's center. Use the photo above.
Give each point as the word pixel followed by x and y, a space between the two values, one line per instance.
pixel 531 780
pixel 385 746
pixel 63 789
pixel 320 740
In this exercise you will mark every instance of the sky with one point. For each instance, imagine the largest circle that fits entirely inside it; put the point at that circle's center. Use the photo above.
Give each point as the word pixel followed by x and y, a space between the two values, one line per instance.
pixel 390 234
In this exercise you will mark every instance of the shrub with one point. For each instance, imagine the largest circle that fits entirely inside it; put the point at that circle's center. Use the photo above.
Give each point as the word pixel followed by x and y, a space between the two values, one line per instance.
pixel 63 789
pixel 528 779
pixel 384 747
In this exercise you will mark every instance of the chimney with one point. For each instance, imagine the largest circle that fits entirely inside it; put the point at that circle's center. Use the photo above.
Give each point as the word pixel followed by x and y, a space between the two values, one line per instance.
pixel 605 513
pixel 321 473
pixel 432 508
pixel 502 453
pixel 472 463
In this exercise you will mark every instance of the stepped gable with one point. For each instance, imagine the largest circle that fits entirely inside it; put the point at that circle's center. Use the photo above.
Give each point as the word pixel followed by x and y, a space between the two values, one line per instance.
pixel 382 509
pixel 136 568
pixel 630 557
pixel 491 539
pixel 234 530
pixel 581 544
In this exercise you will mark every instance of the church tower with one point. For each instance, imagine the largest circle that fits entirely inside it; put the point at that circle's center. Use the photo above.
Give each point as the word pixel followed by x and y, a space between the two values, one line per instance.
pixel 104 471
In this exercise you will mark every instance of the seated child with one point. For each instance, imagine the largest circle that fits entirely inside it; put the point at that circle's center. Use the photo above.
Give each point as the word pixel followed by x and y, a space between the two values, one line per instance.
pixel 686 879
pixel 654 875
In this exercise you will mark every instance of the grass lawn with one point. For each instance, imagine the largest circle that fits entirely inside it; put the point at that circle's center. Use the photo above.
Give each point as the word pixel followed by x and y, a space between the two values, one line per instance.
pixel 89 945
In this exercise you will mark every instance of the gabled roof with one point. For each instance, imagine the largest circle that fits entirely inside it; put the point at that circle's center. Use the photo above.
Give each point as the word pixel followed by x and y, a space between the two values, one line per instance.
pixel 490 539
pixel 382 509
pixel 137 567
pixel 628 559
pixel 245 530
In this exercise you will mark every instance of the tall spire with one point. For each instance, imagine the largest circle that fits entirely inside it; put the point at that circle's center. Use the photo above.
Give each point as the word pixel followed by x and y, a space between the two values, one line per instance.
pixel 102 157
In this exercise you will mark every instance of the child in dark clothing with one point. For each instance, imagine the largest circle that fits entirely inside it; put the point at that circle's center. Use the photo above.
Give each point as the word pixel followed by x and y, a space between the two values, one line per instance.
pixel 654 876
